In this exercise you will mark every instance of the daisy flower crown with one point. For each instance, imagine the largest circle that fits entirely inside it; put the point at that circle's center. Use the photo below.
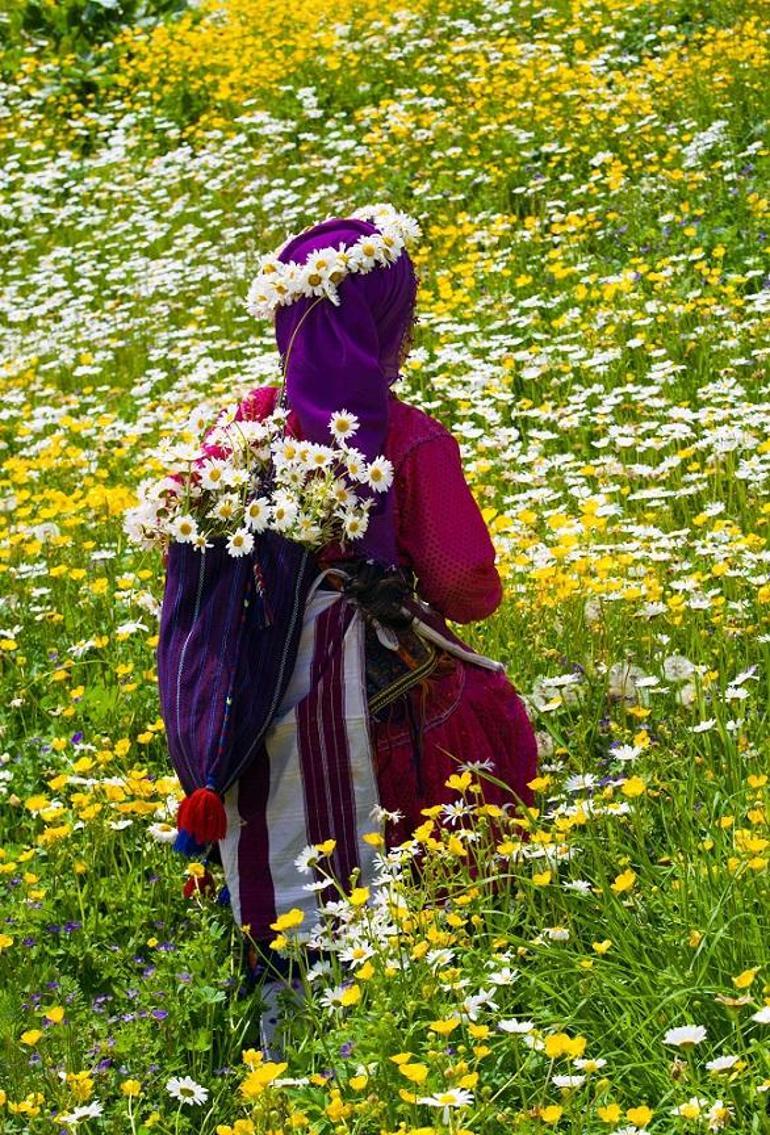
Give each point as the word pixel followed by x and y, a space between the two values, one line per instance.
pixel 279 283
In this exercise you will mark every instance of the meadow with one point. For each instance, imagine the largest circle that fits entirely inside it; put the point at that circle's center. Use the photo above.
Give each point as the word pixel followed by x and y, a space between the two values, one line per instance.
pixel 592 180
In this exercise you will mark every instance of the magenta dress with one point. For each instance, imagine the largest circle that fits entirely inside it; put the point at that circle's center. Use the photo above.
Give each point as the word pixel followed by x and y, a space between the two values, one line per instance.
pixel 470 714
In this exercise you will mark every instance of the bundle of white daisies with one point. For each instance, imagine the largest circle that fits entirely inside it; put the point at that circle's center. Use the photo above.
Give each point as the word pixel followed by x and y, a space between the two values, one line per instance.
pixel 241 478
pixel 279 283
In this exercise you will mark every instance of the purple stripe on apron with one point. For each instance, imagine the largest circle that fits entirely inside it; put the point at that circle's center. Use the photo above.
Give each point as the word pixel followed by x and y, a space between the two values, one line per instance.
pixel 335 737
pixel 255 881
pixel 309 738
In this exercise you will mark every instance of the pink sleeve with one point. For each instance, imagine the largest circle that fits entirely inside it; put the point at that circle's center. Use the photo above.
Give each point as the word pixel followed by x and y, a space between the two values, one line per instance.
pixel 442 535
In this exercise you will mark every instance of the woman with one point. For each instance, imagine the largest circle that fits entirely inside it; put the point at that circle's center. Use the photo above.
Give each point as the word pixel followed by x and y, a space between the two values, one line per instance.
pixel 327 760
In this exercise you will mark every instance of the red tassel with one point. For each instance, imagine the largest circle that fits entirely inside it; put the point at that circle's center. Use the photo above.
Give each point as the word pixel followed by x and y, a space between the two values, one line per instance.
pixel 203 815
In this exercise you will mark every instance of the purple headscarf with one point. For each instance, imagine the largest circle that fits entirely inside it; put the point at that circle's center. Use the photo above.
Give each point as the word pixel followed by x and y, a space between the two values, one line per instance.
pixel 347 356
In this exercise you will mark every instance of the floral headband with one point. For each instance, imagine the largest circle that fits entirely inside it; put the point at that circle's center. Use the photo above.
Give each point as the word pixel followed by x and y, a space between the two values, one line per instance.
pixel 282 283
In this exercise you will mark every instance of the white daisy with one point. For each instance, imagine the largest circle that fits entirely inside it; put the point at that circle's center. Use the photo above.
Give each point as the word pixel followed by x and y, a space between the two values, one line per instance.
pixel 226 507
pixel 568 1081
pixel 365 253
pixel 452 1097
pixel 240 543
pixel 685 1036
pixel 184 529
pixel 343 425
pixel 379 475
pixel 163 833
pixel 722 1063
pixel 186 1090
pixel 319 457
pixel 212 474
pixel 355 463
pixel 257 514
pixel 512 1025
pixel 284 514
pixel 355 524
pixel 305 859
pixel 344 496
pixel 718 1115
pixel 87 1111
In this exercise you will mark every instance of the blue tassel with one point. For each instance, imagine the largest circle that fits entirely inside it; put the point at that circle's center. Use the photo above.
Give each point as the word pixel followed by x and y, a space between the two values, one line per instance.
pixel 187 845
pixel 223 898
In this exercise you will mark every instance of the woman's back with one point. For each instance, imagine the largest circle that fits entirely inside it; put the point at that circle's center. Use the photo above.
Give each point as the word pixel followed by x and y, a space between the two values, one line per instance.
pixel 440 532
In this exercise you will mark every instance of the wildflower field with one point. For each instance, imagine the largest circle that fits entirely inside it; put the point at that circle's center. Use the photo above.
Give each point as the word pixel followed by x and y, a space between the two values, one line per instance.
pixel 592 180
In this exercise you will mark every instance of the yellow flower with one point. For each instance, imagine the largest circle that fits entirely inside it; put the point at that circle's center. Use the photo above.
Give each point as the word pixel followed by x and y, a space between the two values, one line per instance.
pixel 611 1113
pixel 417 1073
pixel 131 1088
pixel 541 878
pixel 560 1044
pixel 634 786
pixel 539 784
pixel 351 995
pixel 357 1083
pixel 5 941
pixel 335 1109
pixel 639 1116
pixel 358 896
pixel 259 1078
pixel 443 1028
pixel 624 882
pixel 602 947
pixel 552 1113
pixel 288 921
pixel 31 1037
pixel 327 847
pixel 459 781
pixel 744 980
pixel 55 1014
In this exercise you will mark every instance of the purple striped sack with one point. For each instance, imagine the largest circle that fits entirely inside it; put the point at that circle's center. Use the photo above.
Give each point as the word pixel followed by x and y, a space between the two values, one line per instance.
pixel 228 639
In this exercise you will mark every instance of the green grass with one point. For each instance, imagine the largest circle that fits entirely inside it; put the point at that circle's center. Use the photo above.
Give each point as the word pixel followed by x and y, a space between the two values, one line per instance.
pixel 595 330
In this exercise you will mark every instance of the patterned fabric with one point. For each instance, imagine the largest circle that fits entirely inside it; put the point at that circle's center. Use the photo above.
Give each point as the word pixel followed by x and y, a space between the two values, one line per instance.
pixel 226 651
pixel 314 779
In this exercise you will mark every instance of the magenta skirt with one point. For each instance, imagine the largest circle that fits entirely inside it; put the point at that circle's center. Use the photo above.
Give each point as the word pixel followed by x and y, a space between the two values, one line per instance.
pixel 469 715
